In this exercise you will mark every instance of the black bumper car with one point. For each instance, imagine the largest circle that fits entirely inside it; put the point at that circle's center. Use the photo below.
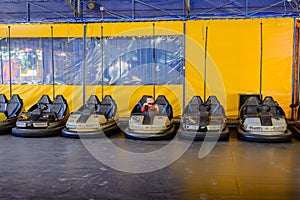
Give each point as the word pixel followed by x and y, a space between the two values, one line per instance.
pixel 204 120
pixel 9 112
pixel 263 122
pixel 150 125
pixel 93 119
pixel 44 119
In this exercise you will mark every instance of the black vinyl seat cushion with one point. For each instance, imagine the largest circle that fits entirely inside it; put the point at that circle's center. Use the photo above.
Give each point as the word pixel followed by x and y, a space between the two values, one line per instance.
pixel 3 103
pixel 14 105
pixel 193 105
pixel 93 103
pixel 275 109
pixel 165 107
pixel 59 106
pixel 215 107
pixel 107 107
pixel 250 107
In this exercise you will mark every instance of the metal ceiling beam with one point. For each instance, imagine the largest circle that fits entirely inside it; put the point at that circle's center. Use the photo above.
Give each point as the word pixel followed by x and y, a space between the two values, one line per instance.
pixel 47 9
pixel 156 8
pixel 117 15
pixel 265 8
pixel 221 6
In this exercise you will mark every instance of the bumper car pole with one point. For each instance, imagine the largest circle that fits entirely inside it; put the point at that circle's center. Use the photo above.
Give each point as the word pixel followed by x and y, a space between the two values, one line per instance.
pixel 102 63
pixel 52 62
pixel 261 61
pixel 205 57
pixel 153 60
pixel 9 63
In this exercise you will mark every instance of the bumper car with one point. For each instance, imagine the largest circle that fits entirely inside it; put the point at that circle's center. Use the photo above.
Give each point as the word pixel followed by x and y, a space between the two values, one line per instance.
pixel 150 125
pixel 9 111
pixel 263 122
pixel 44 119
pixel 204 120
pixel 93 119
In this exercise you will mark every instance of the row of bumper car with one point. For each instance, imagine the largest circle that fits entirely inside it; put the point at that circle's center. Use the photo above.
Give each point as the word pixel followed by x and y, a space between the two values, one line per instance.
pixel 259 121
pixel 47 118
pixel 201 120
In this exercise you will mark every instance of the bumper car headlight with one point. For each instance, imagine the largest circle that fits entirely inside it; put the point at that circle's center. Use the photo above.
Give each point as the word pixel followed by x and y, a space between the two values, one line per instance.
pixel 70 125
pixel 40 124
pixel 214 128
pixel 21 124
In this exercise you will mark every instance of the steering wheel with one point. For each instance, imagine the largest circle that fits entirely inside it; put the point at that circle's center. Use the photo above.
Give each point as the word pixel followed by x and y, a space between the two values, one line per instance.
pixel 204 107
pixel 42 106
pixel 263 108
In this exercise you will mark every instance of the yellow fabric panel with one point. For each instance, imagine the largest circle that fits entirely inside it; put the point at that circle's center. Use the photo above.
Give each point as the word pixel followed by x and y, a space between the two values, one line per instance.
pixel 135 29
pixel 41 30
pixel 233 59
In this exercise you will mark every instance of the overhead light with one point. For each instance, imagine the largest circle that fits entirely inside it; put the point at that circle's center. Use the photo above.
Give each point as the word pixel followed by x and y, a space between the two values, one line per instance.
pixel 91 5
pixel 101 8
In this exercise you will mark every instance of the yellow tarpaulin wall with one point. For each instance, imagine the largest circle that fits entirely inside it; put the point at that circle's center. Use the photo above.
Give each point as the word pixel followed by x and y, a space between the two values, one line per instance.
pixel 233 60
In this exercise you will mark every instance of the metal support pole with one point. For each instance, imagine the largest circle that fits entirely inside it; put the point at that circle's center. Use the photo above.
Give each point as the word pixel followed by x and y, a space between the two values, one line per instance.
pixel 133 9
pixel 9 63
pixel 184 63
pixel 28 11
pixel 247 6
pixel 78 8
pixel 205 57
pixel 52 62
pixel 261 61
pixel 153 59
pixel 1 65
pixel 84 64
pixel 295 71
pixel 102 62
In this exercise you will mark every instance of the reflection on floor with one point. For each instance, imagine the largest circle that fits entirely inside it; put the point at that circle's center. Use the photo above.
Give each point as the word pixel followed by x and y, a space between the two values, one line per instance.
pixel 62 168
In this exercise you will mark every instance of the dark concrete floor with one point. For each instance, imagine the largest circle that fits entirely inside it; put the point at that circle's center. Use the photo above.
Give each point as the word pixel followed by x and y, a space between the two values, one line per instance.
pixel 62 168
